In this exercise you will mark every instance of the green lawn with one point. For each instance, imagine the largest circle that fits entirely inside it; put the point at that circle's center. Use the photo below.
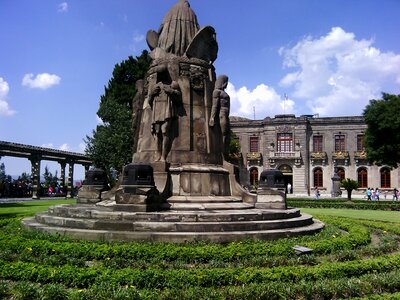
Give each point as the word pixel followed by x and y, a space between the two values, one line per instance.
pixel 29 208
pixel 375 215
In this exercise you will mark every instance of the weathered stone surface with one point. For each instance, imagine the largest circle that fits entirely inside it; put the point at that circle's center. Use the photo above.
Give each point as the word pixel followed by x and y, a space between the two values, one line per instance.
pixel 179 188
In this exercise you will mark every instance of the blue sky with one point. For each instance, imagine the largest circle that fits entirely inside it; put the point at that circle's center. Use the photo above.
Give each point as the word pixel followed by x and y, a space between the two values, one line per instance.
pixel 329 57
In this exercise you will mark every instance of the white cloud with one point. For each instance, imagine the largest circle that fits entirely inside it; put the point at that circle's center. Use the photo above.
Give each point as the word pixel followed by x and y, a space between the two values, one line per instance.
pixel 137 38
pixel 99 120
pixel 82 147
pixel 64 147
pixel 338 74
pixel 63 7
pixel 5 109
pixel 48 145
pixel 263 99
pixel 41 81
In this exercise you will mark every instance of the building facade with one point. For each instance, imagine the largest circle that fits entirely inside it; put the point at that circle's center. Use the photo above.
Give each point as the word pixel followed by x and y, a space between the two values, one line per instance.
pixel 309 150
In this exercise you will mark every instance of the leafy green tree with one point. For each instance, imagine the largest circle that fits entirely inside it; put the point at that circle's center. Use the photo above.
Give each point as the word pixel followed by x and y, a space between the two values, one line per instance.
pixel 49 179
pixel 110 146
pixel 349 185
pixel 382 138
pixel 2 172
pixel 234 152
pixel 24 176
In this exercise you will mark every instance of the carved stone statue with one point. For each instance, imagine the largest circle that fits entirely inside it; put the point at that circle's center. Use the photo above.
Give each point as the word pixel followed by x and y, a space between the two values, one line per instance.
pixel 164 99
pixel 176 31
pixel 220 109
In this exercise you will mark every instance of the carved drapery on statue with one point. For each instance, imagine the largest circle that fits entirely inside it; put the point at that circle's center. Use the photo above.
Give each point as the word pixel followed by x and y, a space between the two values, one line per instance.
pixel 178 29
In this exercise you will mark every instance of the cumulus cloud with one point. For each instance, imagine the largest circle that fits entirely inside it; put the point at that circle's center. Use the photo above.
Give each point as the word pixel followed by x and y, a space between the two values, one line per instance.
pixel 41 81
pixel 64 147
pixel 63 7
pixel 264 100
pixel 48 145
pixel 338 74
pixel 5 109
pixel 137 38
pixel 82 147
pixel 99 120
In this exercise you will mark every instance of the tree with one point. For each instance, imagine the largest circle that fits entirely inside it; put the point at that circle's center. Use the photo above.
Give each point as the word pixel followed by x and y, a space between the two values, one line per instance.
pixel 349 185
pixel 49 179
pixel 2 172
pixel 233 156
pixel 382 139
pixel 110 146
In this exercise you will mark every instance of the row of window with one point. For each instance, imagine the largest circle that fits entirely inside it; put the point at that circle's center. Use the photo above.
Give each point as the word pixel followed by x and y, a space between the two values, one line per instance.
pixel 340 143
pixel 362 177
pixel 285 143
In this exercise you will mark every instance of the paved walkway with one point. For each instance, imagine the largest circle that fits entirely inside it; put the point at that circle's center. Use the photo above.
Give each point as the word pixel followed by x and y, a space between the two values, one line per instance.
pixel 17 200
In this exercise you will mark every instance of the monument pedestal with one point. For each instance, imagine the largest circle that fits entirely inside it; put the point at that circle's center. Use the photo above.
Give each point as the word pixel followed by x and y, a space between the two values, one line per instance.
pixel 138 191
pixel 94 184
pixel 90 194
pixel 271 198
pixel 199 180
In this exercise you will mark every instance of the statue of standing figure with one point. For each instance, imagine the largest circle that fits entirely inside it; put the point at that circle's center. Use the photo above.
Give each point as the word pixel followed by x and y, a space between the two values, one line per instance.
pixel 220 108
pixel 164 99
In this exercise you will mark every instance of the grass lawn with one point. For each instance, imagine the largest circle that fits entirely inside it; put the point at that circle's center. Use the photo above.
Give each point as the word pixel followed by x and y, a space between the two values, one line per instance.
pixel 375 215
pixel 29 208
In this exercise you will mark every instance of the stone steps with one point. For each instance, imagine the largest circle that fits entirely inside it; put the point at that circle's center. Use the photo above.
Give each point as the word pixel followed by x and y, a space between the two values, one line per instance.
pixel 90 211
pixel 175 237
pixel 180 226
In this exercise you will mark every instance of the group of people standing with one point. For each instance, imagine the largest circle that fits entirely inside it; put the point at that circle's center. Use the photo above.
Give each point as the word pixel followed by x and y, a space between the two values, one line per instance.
pixel 375 194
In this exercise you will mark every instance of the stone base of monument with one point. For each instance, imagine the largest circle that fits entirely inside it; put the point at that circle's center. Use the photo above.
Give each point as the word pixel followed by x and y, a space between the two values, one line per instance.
pixel 139 198
pixel 199 180
pixel 191 221
pixel 90 193
pixel 271 198
pixel 140 211
pixel 94 184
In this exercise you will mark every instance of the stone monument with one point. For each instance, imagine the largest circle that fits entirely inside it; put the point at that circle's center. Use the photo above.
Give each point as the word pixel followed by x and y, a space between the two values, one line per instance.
pixel 184 130
pixel 179 187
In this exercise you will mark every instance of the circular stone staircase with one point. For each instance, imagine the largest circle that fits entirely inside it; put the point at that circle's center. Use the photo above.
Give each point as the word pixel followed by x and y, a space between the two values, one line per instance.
pixel 188 219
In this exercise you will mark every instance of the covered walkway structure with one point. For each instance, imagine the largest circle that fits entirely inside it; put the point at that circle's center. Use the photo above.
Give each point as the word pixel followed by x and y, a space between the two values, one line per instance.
pixel 37 154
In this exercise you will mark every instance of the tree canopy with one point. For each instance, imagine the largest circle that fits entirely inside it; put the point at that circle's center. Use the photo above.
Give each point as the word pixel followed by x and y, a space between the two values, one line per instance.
pixel 110 146
pixel 349 185
pixel 382 138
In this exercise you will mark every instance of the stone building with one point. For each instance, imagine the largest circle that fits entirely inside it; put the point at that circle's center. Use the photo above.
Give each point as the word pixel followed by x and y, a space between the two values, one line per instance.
pixel 308 150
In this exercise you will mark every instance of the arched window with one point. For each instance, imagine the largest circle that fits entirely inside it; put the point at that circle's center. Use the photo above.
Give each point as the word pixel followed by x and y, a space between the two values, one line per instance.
pixel 385 178
pixel 254 176
pixel 340 172
pixel 362 176
pixel 318 178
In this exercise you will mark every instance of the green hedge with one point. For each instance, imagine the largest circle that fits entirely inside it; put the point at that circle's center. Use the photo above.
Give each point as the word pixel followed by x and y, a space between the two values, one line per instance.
pixel 342 203
pixel 344 263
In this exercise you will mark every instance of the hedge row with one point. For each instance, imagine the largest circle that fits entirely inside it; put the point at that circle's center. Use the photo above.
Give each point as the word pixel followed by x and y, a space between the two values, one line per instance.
pixel 153 278
pixel 330 240
pixel 376 285
pixel 335 203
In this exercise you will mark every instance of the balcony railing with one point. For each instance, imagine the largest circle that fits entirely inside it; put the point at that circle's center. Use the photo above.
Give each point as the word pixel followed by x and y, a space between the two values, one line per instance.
pixel 340 157
pixel 318 157
pixel 360 157
pixel 294 155
pixel 254 158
